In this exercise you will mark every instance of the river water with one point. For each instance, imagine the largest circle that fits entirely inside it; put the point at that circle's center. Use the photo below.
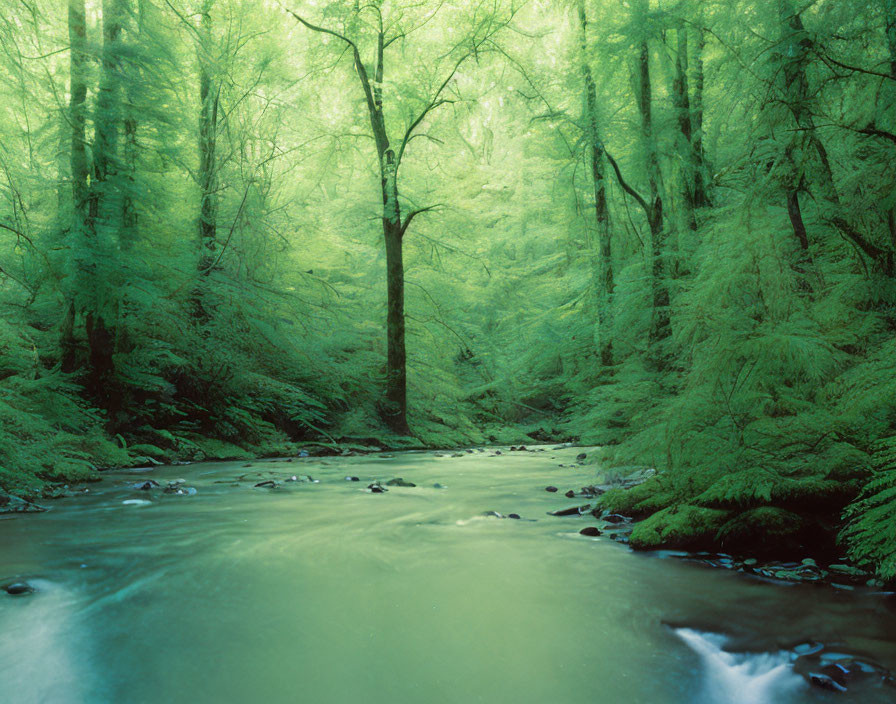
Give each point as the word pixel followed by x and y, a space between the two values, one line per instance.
pixel 324 592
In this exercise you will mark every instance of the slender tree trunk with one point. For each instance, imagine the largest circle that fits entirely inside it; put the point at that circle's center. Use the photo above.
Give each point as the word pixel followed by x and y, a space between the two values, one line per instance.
pixel 208 197
pixel 661 327
pixel 701 171
pixel 891 43
pixel 105 212
pixel 79 166
pixel 681 99
pixel 798 44
pixel 604 269
pixel 395 408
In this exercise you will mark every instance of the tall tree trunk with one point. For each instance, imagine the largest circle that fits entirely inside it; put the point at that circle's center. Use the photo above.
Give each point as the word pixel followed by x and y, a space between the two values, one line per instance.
pixel 891 44
pixel 798 44
pixel 661 327
pixel 682 102
pixel 208 197
pixel 701 171
pixel 79 167
pixel 604 269
pixel 395 408
pixel 105 212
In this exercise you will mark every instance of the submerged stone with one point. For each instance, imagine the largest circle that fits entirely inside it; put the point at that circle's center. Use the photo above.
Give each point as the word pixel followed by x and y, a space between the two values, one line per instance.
pixel 398 481
pixel 18 589
pixel 571 511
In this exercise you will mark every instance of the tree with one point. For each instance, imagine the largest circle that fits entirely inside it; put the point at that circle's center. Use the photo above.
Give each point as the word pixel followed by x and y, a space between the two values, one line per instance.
pixel 601 209
pixel 390 160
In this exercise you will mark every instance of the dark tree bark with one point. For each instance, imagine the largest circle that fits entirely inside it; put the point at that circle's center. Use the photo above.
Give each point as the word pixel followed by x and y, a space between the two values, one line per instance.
pixel 798 44
pixel 661 327
pixel 209 96
pixel 105 211
pixel 701 172
pixel 688 152
pixel 79 165
pixel 604 269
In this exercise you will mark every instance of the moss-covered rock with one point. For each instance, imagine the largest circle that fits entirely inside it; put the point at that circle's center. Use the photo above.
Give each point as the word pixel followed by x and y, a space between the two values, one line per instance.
pixel 682 527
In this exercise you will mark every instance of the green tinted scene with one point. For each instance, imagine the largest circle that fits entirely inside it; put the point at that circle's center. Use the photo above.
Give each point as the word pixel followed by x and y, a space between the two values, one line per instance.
pixel 447 351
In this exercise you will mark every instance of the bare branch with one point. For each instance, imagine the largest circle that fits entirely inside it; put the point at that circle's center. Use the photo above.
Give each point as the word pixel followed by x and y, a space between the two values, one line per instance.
pixel 415 213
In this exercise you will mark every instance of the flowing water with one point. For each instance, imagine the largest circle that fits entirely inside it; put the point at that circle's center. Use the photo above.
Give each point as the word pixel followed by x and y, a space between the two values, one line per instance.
pixel 324 592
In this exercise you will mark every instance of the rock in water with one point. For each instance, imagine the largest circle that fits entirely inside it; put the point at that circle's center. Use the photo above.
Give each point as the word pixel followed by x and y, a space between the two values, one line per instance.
pixel 352 479
pixel 570 494
pixel 590 531
pixel 571 511
pixel 614 518
pixel 14 504
pixel 377 488
pixel 18 589
pixel 398 481
pixel 147 485
pixel 825 682
pixel 513 515
pixel 581 457
pixel 268 484
pixel 551 489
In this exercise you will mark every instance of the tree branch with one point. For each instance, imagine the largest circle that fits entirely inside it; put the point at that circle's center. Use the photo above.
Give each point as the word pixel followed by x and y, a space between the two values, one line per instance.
pixel 414 213
pixel 625 187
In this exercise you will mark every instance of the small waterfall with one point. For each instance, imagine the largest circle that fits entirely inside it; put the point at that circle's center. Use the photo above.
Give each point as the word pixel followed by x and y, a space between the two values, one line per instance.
pixel 741 678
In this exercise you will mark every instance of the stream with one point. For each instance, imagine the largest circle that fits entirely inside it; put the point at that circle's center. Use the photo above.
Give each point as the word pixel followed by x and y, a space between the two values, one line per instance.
pixel 325 592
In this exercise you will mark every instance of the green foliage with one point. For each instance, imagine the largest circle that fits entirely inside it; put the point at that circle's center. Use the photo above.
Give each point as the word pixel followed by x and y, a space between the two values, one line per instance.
pixel 224 297
pixel 871 531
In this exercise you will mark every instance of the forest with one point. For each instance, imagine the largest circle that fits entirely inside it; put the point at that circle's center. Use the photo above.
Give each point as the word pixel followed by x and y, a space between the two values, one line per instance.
pixel 240 228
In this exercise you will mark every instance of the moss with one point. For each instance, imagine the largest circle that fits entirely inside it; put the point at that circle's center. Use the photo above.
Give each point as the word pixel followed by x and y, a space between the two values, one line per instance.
pixel 686 527
pixel 639 501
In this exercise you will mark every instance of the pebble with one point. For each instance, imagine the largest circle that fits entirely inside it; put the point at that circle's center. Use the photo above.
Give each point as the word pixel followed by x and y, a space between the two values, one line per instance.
pixel 18 589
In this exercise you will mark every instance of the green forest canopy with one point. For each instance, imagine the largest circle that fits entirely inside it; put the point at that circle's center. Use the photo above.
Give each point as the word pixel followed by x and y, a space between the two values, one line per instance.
pixel 666 227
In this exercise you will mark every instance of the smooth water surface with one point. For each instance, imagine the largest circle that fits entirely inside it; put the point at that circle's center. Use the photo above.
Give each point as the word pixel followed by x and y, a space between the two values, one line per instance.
pixel 324 592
